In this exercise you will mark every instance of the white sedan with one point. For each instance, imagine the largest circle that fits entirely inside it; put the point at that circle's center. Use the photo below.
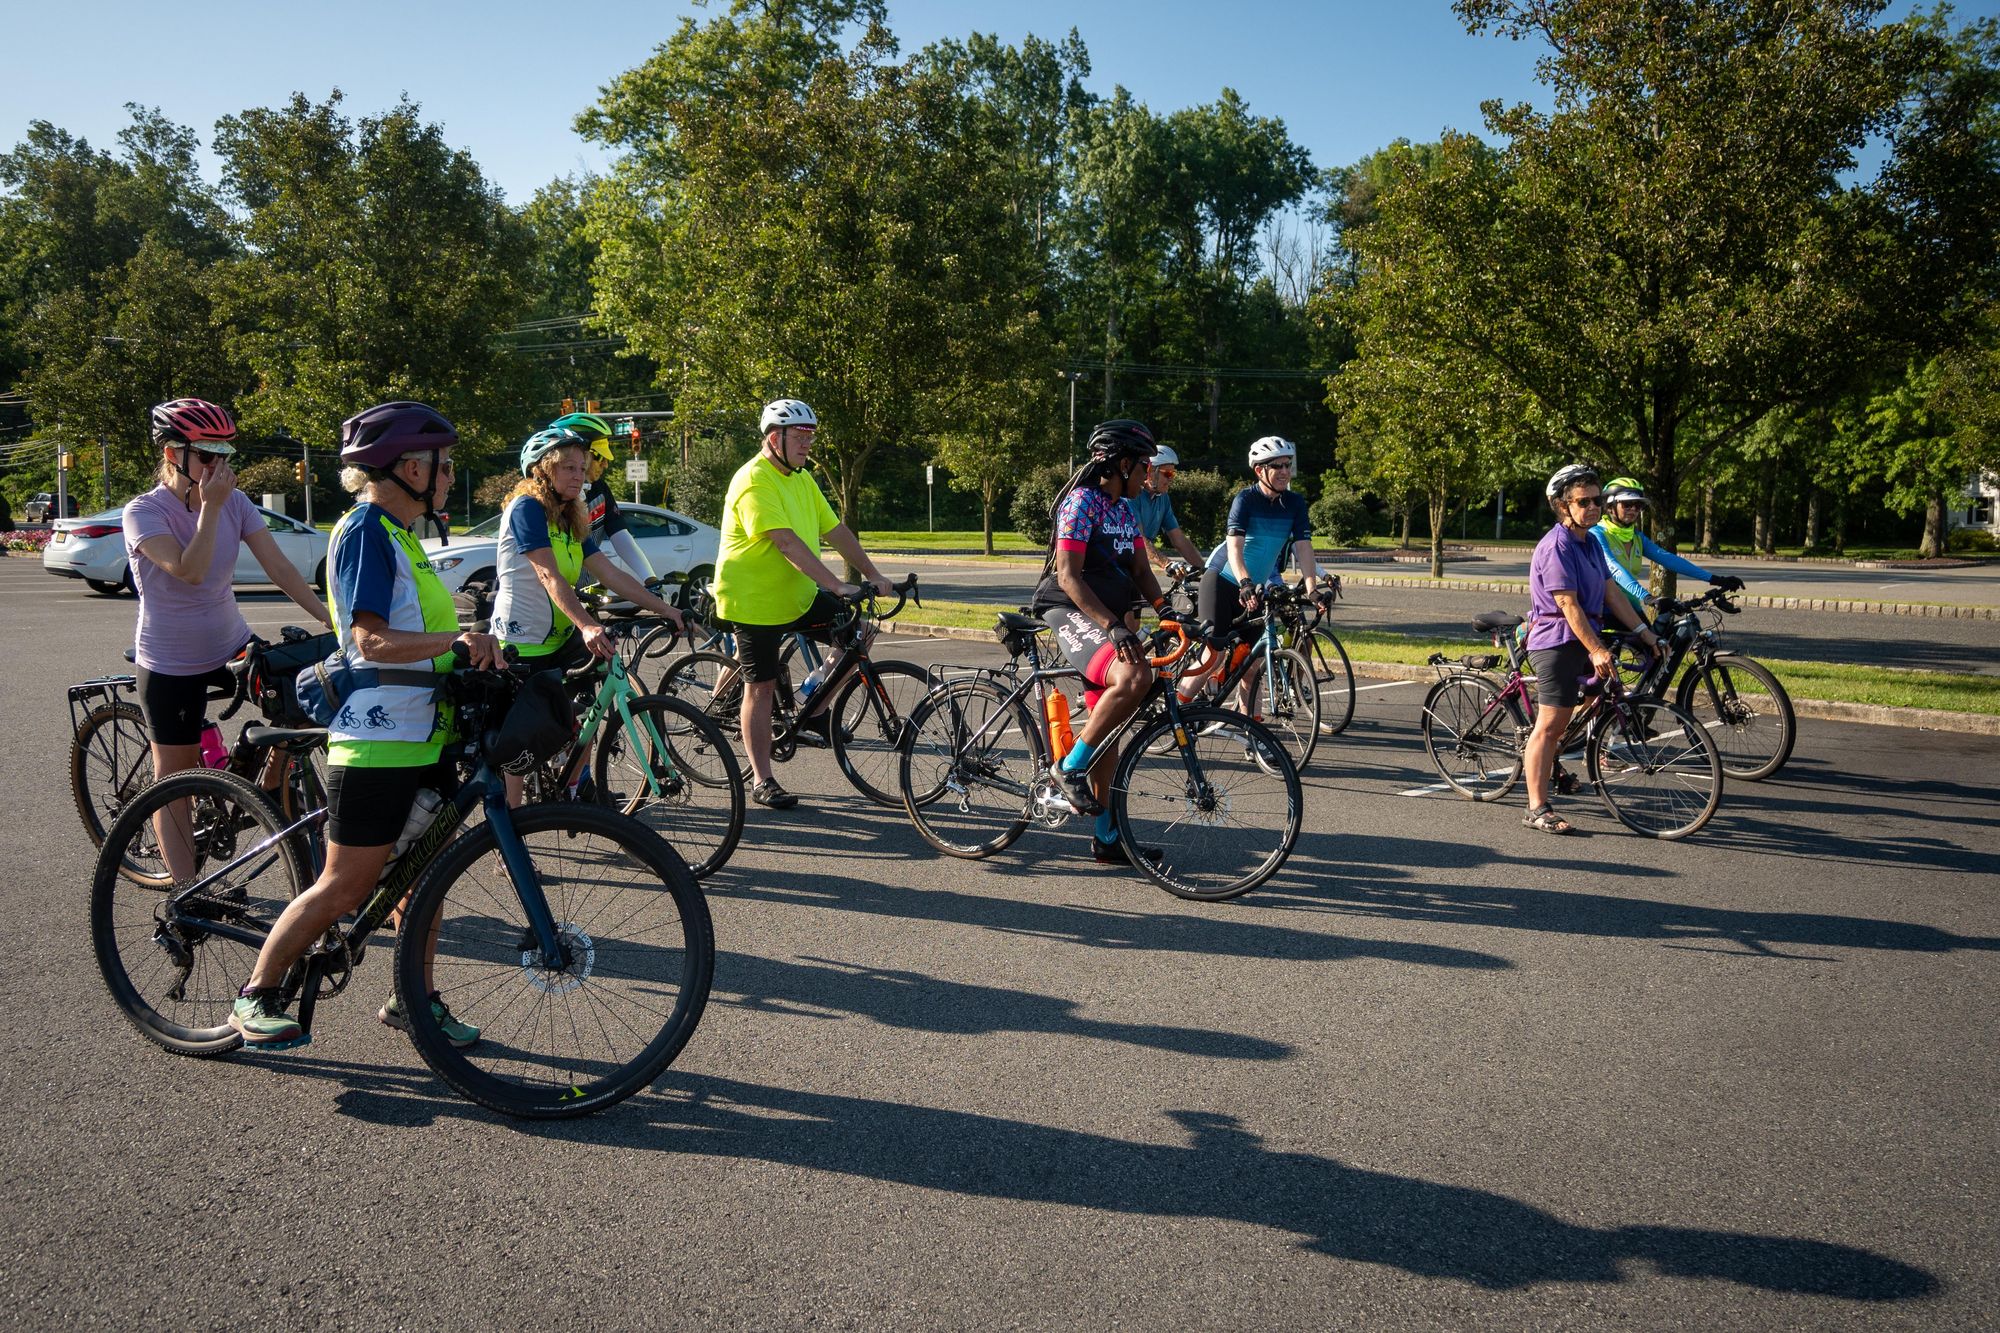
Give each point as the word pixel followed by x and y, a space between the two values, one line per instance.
pixel 92 548
pixel 675 545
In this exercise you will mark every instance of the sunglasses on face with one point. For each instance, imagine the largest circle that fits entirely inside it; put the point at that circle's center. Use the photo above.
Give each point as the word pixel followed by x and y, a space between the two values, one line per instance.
pixel 1164 473
pixel 204 456
pixel 1587 501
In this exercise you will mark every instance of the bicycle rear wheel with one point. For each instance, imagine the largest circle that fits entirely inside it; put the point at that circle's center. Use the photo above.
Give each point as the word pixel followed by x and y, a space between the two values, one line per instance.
pixel 110 759
pixel 558 1041
pixel 1334 675
pixel 868 725
pixel 968 771
pixel 1471 737
pixel 674 771
pixel 1286 699
pixel 1656 769
pixel 1224 823
pixel 708 682
pixel 1747 712
pixel 167 969
pixel 645 655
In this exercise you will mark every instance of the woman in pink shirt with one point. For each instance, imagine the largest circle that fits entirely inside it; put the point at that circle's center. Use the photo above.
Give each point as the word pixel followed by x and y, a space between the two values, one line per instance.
pixel 181 539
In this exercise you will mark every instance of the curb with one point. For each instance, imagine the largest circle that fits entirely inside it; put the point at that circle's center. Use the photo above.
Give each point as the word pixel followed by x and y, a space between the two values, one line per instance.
pixel 1922 610
pixel 1825 710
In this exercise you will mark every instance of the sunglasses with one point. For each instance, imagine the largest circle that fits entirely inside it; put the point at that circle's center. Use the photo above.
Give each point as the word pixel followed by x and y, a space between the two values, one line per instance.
pixel 1587 501
pixel 204 456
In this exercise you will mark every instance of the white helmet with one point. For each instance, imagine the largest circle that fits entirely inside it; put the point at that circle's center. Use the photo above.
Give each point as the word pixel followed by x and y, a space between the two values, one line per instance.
pixel 1568 476
pixel 786 412
pixel 1270 449
pixel 1165 457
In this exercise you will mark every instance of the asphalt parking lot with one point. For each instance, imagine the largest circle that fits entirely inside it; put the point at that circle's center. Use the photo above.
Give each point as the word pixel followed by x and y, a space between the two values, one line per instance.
pixel 1443 1070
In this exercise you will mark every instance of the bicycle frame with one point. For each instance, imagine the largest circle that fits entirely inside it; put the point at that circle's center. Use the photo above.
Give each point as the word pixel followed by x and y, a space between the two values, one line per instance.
pixel 614 695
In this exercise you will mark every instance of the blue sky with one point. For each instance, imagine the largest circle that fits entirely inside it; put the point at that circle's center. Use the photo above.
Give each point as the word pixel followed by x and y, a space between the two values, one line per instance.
pixel 506 78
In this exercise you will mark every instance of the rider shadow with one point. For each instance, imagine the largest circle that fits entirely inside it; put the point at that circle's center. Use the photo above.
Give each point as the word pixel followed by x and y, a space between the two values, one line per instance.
pixel 1364 891
pixel 897 998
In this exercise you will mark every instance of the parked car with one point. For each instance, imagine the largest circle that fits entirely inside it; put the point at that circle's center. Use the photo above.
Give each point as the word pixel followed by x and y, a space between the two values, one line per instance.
pixel 92 548
pixel 43 507
pixel 676 545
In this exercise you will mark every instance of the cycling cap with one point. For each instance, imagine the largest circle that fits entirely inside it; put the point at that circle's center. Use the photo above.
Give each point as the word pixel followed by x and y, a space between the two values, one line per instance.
pixel 1569 476
pixel 545 442
pixel 1123 438
pixel 1270 449
pixel 378 436
pixel 1165 457
pixel 786 412
pixel 193 421
pixel 1624 490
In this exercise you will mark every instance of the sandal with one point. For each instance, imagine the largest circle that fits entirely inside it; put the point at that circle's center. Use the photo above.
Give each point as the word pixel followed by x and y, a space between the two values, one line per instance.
pixel 1544 819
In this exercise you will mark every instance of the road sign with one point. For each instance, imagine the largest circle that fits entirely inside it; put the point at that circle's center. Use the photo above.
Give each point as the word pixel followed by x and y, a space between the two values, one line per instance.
pixel 637 469
pixel 930 474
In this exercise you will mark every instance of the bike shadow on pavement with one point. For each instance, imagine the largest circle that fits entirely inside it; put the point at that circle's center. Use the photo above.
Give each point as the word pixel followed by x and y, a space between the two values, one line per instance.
pixel 1471 889
pixel 1220 1172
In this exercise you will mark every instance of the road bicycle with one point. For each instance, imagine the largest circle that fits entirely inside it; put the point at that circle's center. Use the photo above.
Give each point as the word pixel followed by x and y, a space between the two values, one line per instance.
pixel 1301 628
pixel 1278 683
pixel 653 757
pixel 1655 768
pixel 1738 700
pixel 572 936
pixel 848 702
pixel 1209 815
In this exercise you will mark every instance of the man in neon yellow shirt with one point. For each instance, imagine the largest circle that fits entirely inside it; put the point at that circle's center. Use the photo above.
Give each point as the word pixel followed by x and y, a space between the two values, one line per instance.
pixel 769 579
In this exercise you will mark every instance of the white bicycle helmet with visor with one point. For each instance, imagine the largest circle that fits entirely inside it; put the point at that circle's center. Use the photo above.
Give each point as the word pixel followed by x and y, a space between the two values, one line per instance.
pixel 786 412
pixel 1272 448
pixel 1567 477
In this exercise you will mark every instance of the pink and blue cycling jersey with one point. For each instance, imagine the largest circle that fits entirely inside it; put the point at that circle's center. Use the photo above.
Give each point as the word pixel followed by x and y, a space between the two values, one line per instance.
pixel 1107 533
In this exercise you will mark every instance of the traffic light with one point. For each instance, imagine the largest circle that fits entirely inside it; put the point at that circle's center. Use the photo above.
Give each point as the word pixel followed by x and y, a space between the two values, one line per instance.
pixel 630 429
pixel 66 460
pixel 299 471
pixel 569 406
pixel 590 405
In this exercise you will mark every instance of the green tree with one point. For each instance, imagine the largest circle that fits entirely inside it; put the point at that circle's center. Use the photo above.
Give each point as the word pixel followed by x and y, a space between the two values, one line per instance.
pixel 1930 434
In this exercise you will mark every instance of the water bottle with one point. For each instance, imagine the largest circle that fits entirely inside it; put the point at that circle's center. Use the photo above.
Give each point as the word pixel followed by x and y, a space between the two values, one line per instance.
pixel 814 679
pixel 1061 738
pixel 214 754
pixel 423 810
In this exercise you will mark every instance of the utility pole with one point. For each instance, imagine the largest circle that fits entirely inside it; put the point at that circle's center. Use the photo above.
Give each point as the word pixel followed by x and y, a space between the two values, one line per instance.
pixel 306 462
pixel 1499 500
pixel 104 453
pixel 1072 376
pixel 62 484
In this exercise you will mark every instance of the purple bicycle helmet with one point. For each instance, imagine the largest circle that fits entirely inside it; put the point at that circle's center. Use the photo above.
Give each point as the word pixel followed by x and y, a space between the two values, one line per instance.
pixel 377 437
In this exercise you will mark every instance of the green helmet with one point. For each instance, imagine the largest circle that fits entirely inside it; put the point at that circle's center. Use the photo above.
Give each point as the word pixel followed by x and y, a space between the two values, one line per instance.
pixel 587 424
pixel 545 442
pixel 1624 490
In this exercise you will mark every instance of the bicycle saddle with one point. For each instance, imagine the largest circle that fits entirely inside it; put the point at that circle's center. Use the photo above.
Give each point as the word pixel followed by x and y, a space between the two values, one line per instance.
pixel 1028 624
pixel 1495 621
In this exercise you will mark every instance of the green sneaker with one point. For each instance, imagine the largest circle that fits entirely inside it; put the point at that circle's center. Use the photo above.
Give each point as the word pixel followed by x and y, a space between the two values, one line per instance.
pixel 457 1033
pixel 261 1020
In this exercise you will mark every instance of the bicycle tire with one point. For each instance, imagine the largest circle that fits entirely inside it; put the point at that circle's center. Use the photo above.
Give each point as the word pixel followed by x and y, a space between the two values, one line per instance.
pixel 100 787
pixel 133 946
pixel 1755 742
pixel 699 810
pixel 1334 673
pixel 867 727
pixel 941 772
pixel 645 655
pixel 543 1055
pixel 1246 774
pixel 1291 709
pixel 693 678
pixel 1474 745
pixel 1656 769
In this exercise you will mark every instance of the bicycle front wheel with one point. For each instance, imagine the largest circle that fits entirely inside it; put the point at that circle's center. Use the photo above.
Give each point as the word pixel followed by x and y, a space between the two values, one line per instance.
pixel 110 759
pixel 967 773
pixel 1286 699
pixel 1334 675
pixel 708 682
pixel 557 1039
pixel 868 723
pixel 168 969
pixel 1471 737
pixel 674 771
pixel 1656 769
pixel 1746 710
pixel 1221 808
pixel 645 655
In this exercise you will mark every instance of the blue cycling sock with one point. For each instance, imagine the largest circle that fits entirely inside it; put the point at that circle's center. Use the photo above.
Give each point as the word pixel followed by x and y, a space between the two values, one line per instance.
pixel 1106 832
pixel 1078 759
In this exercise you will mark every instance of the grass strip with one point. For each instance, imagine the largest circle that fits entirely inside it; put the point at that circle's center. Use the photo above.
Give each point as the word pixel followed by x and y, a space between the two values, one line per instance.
pixel 1834 682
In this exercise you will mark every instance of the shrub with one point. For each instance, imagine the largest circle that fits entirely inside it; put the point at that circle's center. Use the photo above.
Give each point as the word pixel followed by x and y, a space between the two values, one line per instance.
pixel 697 487
pixel 493 492
pixel 1034 503
pixel 1971 541
pixel 1340 516
pixel 1201 503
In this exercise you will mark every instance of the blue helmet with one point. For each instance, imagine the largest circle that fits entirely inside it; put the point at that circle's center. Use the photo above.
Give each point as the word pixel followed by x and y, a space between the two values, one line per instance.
pixel 544 442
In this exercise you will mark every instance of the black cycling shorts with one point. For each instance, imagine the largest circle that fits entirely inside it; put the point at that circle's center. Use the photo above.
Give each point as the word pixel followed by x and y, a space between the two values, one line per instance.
pixel 1221 601
pixel 758 646
pixel 1559 673
pixel 174 706
pixel 367 807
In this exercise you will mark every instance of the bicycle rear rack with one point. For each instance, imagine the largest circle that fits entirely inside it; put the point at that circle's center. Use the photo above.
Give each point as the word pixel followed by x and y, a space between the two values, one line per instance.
pixel 82 698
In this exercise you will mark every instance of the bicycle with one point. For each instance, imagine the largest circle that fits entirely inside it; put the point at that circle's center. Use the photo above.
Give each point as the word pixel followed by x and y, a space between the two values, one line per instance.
pixel 860 703
pixel 658 760
pixel 1304 631
pixel 1279 683
pixel 1738 700
pixel 1221 802
pixel 572 936
pixel 1656 769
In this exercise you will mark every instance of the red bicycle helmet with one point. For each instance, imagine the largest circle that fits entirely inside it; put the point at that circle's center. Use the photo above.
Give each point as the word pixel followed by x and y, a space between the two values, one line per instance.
pixel 191 421
pixel 376 437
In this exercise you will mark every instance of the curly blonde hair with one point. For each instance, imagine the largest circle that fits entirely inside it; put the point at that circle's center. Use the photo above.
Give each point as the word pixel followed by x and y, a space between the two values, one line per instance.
pixel 539 485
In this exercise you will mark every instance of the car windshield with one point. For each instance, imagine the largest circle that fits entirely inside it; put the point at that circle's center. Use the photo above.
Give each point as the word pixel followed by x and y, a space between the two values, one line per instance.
pixel 487 528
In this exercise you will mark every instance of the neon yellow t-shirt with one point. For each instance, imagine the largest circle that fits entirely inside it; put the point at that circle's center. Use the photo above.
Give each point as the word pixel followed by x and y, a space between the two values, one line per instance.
pixel 754 583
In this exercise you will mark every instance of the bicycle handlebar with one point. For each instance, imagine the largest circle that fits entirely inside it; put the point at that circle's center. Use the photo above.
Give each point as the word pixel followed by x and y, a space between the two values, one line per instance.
pixel 863 601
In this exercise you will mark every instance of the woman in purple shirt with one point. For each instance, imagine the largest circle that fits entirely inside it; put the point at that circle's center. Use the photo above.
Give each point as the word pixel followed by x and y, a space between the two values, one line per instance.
pixel 1566 582
pixel 181 539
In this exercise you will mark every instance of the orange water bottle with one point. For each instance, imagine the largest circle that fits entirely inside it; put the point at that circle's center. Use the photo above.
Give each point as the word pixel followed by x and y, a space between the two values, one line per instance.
pixel 1061 738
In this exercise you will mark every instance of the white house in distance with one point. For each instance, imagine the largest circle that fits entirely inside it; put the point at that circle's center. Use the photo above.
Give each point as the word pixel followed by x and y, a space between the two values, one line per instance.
pixel 1980 507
